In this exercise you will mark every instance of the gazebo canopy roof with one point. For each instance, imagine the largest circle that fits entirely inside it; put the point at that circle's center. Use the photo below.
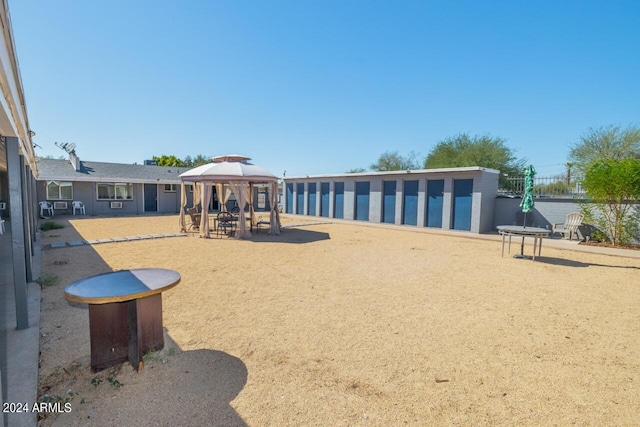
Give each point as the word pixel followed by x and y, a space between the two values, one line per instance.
pixel 232 167
pixel 230 158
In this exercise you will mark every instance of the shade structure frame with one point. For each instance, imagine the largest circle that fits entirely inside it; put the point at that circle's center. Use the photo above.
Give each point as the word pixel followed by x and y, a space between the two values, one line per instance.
pixel 240 175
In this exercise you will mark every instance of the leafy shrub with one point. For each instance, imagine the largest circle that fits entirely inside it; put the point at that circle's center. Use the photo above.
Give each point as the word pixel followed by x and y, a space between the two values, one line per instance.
pixel 614 187
pixel 47 279
pixel 50 225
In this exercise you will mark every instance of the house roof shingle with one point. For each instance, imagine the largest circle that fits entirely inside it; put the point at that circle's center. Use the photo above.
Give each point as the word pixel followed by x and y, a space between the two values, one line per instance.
pixel 62 170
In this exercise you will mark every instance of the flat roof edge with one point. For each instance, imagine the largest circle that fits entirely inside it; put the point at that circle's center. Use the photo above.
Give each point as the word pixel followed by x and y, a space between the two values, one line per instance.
pixel 404 172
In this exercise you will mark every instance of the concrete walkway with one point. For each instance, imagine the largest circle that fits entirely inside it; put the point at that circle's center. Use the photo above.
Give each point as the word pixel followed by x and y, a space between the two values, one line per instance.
pixel 56 245
pixel 19 349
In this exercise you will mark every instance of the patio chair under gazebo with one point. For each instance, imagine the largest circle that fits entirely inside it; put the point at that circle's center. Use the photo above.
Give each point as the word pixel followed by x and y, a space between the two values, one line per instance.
pixel 235 171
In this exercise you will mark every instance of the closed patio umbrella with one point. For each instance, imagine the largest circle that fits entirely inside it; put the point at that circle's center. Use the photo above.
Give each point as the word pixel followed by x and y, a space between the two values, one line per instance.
pixel 527 198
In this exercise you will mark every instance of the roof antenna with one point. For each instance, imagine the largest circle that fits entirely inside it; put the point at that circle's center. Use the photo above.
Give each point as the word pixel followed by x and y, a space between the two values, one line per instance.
pixel 70 148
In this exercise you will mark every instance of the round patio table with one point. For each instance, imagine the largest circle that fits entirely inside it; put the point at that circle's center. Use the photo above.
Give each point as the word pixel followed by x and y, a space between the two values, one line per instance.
pixel 125 313
pixel 518 230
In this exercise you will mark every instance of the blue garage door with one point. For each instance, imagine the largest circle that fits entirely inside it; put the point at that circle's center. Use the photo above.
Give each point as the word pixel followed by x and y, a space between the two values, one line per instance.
pixel 338 202
pixel 389 202
pixel 435 195
pixel 324 199
pixel 462 197
pixel 410 203
pixel 362 201
pixel 311 199
pixel 300 207
pixel 290 198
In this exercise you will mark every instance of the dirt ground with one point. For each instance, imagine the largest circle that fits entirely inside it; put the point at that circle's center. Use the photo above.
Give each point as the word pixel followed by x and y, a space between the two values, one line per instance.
pixel 349 325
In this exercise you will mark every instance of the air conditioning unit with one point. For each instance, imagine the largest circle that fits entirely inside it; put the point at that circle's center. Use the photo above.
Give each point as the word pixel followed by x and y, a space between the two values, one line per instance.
pixel 116 205
pixel 59 205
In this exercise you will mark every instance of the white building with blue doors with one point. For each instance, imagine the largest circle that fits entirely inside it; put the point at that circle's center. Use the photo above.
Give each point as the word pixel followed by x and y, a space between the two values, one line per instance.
pixel 451 199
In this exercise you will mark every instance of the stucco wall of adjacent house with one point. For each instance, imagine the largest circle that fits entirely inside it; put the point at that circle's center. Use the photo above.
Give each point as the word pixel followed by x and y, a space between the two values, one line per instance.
pixel 86 192
pixel 168 201
pixel 545 213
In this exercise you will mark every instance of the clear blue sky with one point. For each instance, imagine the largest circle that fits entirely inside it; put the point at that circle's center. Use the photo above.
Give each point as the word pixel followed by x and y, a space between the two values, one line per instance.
pixel 315 87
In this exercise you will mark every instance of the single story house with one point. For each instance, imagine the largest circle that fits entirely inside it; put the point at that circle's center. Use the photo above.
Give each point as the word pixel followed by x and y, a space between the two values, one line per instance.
pixel 108 188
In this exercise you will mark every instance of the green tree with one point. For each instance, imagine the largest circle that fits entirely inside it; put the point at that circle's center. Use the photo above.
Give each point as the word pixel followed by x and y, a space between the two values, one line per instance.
pixel 196 161
pixel 613 187
pixel 356 170
pixel 201 159
pixel 394 161
pixel 608 142
pixel 165 160
pixel 485 151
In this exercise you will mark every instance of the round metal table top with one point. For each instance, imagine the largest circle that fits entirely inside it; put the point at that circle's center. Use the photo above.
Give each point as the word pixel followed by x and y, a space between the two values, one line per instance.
pixel 522 230
pixel 123 285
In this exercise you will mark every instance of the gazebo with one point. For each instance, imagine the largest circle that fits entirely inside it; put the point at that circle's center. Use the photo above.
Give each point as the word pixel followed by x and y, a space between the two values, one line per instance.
pixel 230 173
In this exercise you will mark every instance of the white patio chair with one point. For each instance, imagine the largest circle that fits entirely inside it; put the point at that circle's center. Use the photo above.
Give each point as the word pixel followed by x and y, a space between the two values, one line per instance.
pixel 78 206
pixel 46 206
pixel 570 225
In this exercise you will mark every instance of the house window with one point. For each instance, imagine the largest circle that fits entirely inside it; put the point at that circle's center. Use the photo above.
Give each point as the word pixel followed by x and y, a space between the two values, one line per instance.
pixel 170 188
pixel 115 191
pixel 58 190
